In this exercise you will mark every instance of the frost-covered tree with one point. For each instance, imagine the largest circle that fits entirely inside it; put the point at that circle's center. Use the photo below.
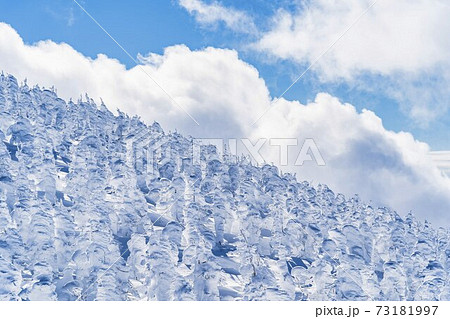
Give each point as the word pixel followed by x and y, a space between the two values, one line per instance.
pixel 95 206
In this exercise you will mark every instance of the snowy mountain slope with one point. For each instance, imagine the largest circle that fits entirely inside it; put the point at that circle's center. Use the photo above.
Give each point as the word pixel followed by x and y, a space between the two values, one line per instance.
pixel 79 221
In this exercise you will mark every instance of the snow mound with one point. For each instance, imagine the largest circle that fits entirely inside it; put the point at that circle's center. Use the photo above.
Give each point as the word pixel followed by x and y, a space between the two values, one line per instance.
pixel 80 221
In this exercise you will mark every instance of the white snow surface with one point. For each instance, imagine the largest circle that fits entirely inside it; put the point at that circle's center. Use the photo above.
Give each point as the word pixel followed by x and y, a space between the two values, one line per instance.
pixel 80 221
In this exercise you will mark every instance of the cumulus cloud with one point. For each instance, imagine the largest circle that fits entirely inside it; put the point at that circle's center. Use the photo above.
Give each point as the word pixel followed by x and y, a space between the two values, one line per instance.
pixel 211 14
pixel 361 155
pixel 404 42
pixel 393 36
pixel 225 95
pixel 442 159
pixel 208 84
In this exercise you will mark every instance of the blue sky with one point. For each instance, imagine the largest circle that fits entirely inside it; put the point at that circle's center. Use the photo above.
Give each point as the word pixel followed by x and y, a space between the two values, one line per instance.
pixel 375 103
pixel 150 26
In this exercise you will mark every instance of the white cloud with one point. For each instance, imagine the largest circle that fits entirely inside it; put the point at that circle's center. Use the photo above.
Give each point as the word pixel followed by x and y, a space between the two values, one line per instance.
pixel 210 14
pixel 393 36
pixel 226 95
pixel 405 42
pixel 361 156
pixel 208 84
pixel 442 160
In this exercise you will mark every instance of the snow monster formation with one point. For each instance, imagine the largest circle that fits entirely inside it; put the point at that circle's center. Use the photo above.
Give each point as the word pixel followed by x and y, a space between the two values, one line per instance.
pixel 80 221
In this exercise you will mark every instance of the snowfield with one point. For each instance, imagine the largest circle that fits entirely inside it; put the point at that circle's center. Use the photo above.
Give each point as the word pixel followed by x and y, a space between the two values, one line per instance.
pixel 85 217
